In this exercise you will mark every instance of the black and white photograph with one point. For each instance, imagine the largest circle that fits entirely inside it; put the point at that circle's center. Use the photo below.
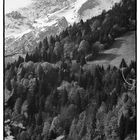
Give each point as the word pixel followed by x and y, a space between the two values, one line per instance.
pixel 69 70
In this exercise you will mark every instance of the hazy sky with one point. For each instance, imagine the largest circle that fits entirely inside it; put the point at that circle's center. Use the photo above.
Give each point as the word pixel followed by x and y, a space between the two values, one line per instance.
pixel 11 5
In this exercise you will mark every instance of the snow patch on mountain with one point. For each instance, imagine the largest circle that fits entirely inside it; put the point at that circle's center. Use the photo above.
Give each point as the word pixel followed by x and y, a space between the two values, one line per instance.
pixel 42 22
pixel 93 8
pixel 15 35
pixel 70 13
pixel 11 5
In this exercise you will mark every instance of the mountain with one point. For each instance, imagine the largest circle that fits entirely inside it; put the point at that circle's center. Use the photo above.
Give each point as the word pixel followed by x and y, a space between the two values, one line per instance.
pixel 79 85
pixel 93 7
pixel 25 27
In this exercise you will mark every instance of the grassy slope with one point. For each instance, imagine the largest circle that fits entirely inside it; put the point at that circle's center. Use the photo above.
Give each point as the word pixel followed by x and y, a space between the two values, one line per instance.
pixel 123 47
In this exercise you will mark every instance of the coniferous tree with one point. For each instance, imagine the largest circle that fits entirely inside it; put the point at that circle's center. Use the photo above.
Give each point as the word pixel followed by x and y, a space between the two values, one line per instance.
pixel 8 84
pixel 32 57
pixel 40 45
pixel 87 27
pixel 8 66
pixel 27 58
pixel 39 118
pixel 81 22
pixel 20 60
pixel 51 41
pixel 123 64
pixel 57 38
pixel 45 43
pixel 63 34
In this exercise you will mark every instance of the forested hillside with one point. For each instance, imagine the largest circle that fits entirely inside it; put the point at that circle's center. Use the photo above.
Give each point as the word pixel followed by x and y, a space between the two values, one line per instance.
pixel 50 95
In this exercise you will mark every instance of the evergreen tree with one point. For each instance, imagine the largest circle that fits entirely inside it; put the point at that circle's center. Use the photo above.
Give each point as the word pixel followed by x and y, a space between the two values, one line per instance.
pixel 57 38
pixel 8 66
pixel 87 27
pixel 39 119
pixel 8 84
pixel 27 58
pixel 63 34
pixel 20 60
pixel 123 64
pixel 45 43
pixel 36 56
pixel 122 127
pixel 40 45
pixel 81 22
pixel 51 41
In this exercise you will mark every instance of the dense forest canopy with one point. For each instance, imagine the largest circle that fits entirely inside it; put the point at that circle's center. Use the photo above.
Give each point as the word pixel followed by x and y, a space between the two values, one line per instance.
pixel 49 94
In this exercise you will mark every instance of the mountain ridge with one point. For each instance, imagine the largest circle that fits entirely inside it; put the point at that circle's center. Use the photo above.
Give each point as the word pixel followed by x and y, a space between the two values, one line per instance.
pixel 34 20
